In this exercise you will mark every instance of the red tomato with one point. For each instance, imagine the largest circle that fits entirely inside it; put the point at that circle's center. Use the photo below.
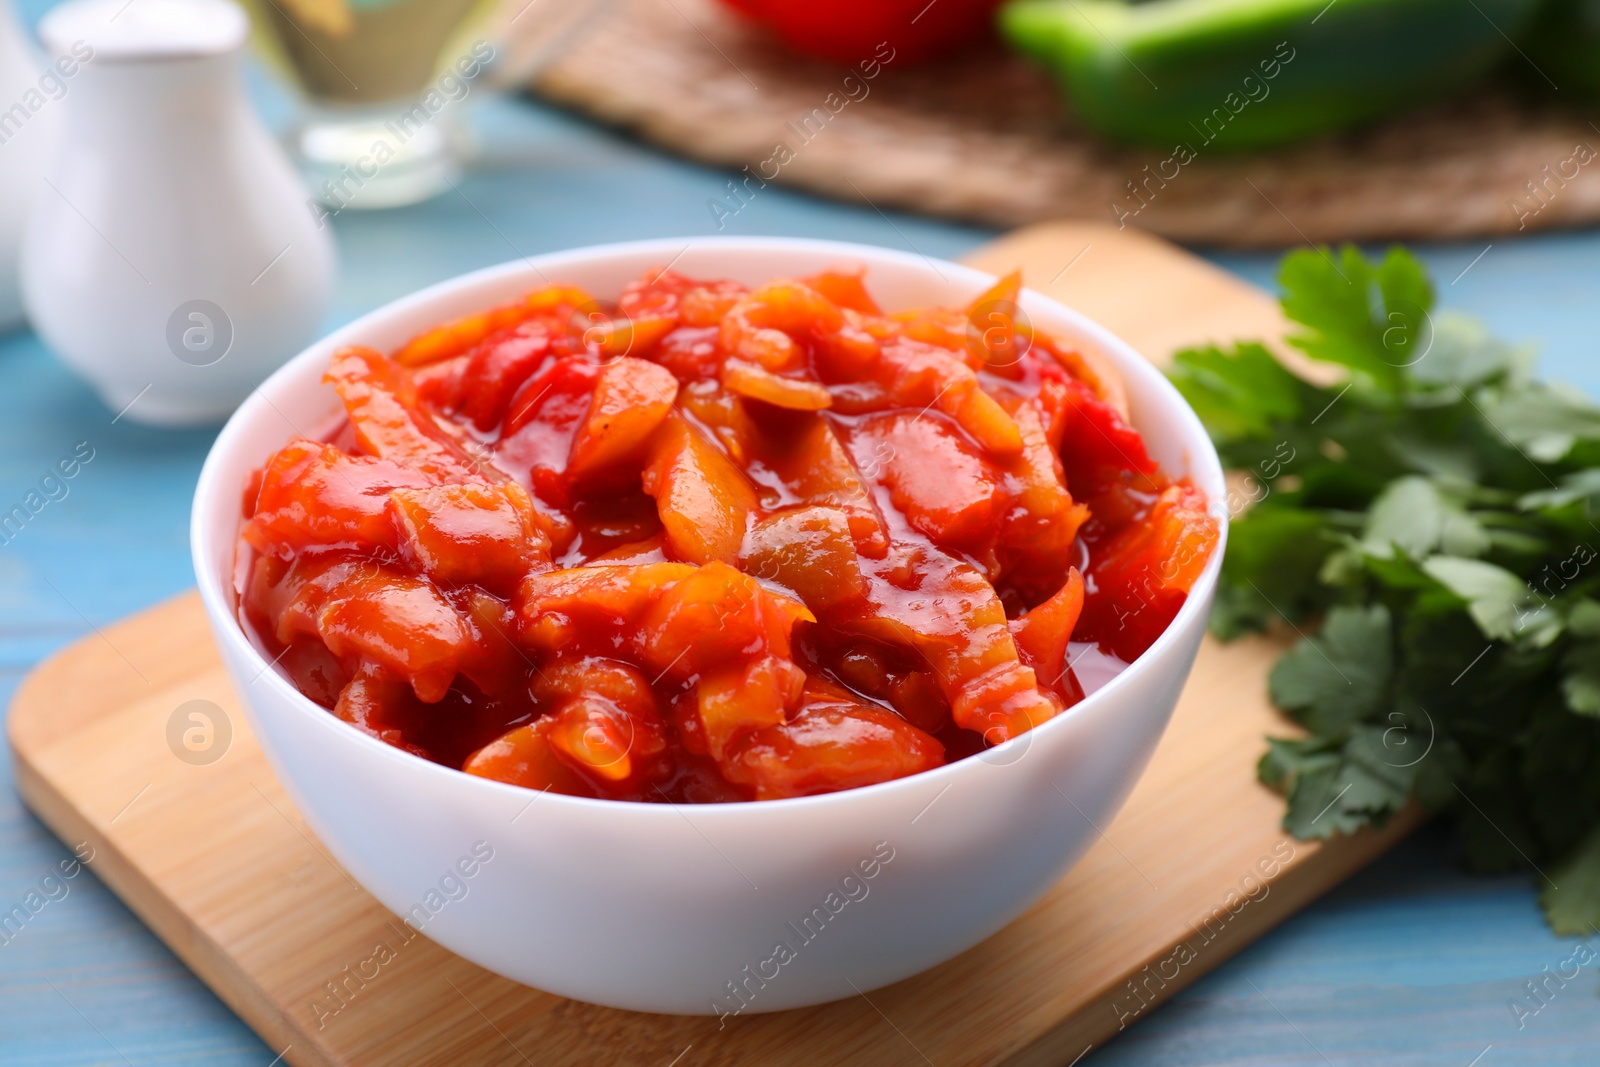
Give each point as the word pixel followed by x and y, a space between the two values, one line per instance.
pixel 880 32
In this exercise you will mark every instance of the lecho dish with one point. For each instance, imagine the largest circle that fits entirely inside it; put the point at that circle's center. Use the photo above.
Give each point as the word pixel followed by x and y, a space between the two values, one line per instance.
pixel 655 906
pixel 714 543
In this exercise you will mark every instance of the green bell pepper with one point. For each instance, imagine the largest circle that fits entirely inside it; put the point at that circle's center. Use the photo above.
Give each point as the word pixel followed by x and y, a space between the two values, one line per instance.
pixel 1238 74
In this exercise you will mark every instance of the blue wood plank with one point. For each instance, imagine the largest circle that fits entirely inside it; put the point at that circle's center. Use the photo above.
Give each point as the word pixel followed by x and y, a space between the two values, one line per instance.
pixel 1411 962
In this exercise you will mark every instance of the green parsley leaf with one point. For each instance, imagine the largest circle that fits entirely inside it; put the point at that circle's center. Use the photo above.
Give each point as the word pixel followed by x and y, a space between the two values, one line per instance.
pixel 1414 516
pixel 1585 619
pixel 1581 684
pixel 1449 462
pixel 1238 394
pixel 1340 677
pixel 1571 899
pixel 1273 558
pixel 1427 527
pixel 1288 758
pixel 1464 354
pixel 1499 602
pixel 1373 333
pixel 1337 789
pixel 1579 485
pixel 1544 421
pixel 1379 777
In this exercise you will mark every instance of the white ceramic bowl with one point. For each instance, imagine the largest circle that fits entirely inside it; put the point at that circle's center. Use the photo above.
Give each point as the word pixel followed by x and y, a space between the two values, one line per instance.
pixel 682 909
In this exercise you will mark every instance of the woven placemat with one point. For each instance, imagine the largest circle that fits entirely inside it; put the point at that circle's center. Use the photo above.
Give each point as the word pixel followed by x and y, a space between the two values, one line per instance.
pixel 985 138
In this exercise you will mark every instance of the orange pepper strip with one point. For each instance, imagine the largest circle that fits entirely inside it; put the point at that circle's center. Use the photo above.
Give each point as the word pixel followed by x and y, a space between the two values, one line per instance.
pixel 704 499
pixel 631 399
pixel 454 338
pixel 759 383
pixel 715 616
pixel 382 408
pixel 845 285
pixel 1091 368
pixel 682 622
pixel 808 550
pixel 922 376
pixel 1043 633
pixel 526 757
pixel 946 611
pixel 815 466
pixel 725 627
pixel 372 702
pixel 741 697
pixel 834 742
pixel 367 612
pixel 776 325
pixel 488 535
pixel 946 489
pixel 457 336
pixel 1146 570
pixel 606 721
pixel 315 495
pixel 993 333
pixel 553 609
pixel 1041 519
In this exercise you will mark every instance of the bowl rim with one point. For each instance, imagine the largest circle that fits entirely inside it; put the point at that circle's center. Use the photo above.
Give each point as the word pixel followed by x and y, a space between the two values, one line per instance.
pixel 215 588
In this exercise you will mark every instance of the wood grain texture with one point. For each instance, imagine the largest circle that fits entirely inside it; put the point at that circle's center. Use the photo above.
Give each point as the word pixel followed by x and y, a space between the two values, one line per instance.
pixel 220 865
pixel 984 136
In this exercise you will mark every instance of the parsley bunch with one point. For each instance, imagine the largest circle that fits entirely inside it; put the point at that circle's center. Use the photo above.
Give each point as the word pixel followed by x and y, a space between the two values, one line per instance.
pixel 1429 519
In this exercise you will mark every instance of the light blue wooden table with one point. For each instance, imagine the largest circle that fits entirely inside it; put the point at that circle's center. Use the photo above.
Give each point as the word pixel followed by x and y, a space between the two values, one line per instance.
pixel 1410 963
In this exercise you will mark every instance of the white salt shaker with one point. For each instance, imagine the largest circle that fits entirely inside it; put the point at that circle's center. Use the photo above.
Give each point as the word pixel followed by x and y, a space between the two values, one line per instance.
pixel 172 259
pixel 29 110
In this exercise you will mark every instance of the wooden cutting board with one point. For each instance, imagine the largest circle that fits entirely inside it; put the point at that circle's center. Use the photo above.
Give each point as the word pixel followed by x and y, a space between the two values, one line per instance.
pixel 985 136
pixel 216 860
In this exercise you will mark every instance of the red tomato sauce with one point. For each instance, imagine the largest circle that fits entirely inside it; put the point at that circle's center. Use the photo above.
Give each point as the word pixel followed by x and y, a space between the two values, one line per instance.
pixel 712 543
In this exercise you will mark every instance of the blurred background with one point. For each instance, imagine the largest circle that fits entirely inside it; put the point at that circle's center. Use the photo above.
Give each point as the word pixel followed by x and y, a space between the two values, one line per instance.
pixel 511 129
